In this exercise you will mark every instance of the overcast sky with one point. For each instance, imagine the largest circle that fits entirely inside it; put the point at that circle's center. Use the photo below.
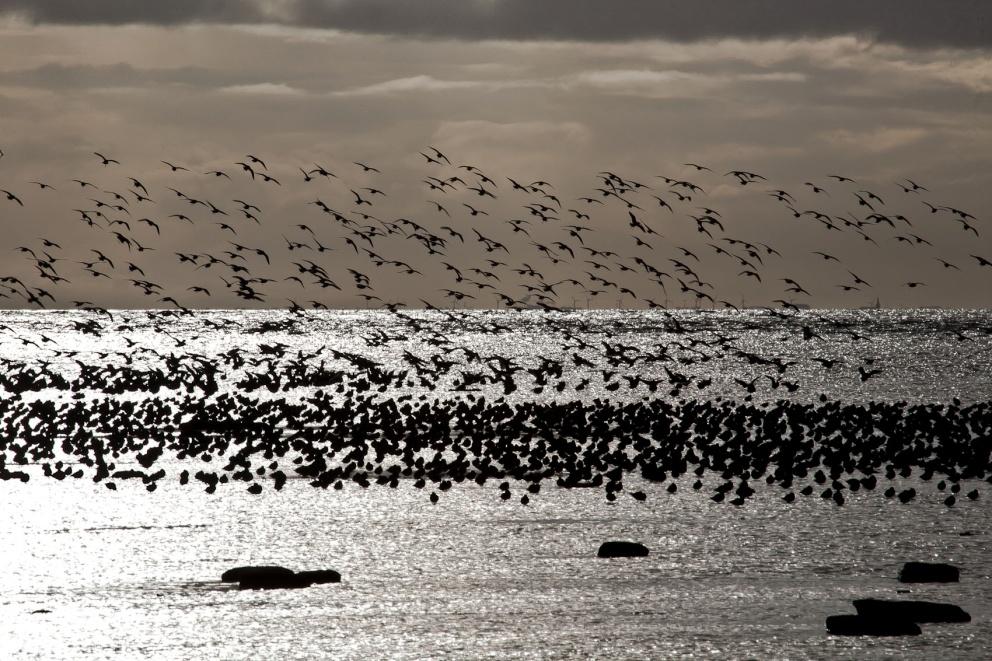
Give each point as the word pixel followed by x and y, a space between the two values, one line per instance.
pixel 556 90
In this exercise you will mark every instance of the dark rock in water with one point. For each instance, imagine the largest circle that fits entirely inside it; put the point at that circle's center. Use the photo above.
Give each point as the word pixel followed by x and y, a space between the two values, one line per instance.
pixel 270 572
pixel 274 582
pixel 859 625
pixel 929 572
pixel 622 550
pixel 320 576
pixel 921 612
pixel 278 578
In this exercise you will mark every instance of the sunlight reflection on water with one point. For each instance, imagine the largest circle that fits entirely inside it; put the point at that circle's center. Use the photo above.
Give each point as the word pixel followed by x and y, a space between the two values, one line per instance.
pixel 130 572
pixel 135 575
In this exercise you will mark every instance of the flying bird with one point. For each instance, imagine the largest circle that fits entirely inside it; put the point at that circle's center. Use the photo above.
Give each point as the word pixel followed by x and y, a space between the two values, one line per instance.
pixel 105 160
pixel 11 197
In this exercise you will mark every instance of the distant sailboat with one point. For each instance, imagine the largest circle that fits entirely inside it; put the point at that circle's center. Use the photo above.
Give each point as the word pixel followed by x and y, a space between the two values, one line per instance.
pixel 877 305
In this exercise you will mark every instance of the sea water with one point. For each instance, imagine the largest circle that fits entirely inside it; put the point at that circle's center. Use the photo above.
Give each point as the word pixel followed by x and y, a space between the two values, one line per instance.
pixel 93 573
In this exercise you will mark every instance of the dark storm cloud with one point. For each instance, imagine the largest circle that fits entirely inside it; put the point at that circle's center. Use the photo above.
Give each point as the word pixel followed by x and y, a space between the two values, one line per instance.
pixel 116 12
pixel 923 23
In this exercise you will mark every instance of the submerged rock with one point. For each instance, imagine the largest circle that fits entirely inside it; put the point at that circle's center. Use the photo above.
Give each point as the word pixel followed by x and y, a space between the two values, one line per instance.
pixel 921 612
pixel 929 572
pixel 860 625
pixel 622 550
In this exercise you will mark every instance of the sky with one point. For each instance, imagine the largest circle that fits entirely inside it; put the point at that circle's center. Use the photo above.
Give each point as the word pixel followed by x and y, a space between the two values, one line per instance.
pixel 882 92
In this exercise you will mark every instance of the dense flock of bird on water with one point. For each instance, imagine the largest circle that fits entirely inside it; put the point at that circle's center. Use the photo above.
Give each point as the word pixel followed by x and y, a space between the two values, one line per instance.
pixel 352 420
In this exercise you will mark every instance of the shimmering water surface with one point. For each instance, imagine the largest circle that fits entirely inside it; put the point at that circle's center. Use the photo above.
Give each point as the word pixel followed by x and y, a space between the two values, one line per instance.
pixel 130 574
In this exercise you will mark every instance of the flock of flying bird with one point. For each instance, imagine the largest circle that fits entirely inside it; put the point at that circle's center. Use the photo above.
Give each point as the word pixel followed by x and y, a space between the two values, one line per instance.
pixel 478 258
pixel 361 435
